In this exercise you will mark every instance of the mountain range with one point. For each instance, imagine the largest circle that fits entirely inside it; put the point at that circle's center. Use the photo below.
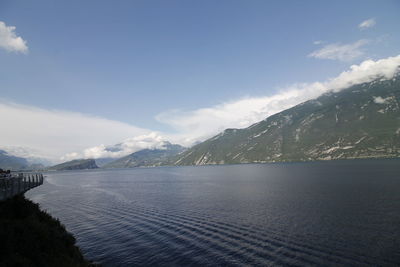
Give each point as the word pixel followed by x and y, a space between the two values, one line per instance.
pixel 362 121
pixel 77 164
pixel 10 162
pixel 147 157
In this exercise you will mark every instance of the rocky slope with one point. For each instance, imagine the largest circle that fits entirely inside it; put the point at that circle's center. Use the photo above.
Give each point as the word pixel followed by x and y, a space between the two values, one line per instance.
pixel 362 121
pixel 78 164
pixel 147 157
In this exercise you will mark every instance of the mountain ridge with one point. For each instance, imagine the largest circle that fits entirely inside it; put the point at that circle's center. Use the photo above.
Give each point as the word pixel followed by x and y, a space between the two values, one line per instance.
pixel 10 162
pixel 362 121
pixel 147 157
pixel 77 164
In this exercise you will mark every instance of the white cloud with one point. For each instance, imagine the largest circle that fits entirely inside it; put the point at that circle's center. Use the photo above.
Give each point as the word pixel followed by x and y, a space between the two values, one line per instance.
pixel 202 123
pixel 67 135
pixel 318 42
pixel 342 52
pixel 367 71
pixel 367 24
pixel 55 133
pixel 10 41
pixel 151 140
pixel 24 152
pixel 33 156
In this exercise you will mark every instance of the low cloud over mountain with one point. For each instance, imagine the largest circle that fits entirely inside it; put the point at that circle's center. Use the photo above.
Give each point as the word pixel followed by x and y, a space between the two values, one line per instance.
pixel 62 135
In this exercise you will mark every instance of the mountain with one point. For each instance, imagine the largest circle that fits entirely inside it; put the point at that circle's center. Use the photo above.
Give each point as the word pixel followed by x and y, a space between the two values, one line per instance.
pixel 78 164
pixel 34 157
pixel 10 162
pixel 103 161
pixel 362 121
pixel 147 157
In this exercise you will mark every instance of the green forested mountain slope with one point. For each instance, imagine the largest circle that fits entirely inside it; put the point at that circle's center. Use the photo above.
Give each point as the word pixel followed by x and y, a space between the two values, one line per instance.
pixel 78 164
pixel 362 121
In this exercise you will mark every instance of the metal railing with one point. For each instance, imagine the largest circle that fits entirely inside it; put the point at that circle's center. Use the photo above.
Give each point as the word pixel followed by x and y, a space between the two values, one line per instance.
pixel 18 184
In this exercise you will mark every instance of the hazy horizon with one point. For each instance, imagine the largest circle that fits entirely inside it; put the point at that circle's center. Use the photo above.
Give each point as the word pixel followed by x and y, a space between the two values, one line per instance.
pixel 138 74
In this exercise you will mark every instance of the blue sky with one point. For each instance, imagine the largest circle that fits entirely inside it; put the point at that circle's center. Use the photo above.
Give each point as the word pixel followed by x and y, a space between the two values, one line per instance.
pixel 137 62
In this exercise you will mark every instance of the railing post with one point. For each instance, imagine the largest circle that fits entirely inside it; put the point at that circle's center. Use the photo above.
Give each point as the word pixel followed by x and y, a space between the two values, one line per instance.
pixel 5 188
pixel 19 185
pixel 1 190
pixel 8 188
pixel 12 187
pixel 10 184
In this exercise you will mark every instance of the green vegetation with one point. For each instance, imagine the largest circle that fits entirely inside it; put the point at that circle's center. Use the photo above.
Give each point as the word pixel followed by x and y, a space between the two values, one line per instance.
pixel 78 164
pixel 31 237
pixel 362 121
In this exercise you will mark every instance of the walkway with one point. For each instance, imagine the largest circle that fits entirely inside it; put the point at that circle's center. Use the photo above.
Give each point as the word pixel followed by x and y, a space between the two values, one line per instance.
pixel 19 184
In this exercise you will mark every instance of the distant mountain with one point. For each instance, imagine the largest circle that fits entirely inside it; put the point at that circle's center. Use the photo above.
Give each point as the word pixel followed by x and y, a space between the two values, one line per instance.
pixel 362 121
pixel 103 161
pixel 78 164
pixel 147 157
pixel 10 162
pixel 34 158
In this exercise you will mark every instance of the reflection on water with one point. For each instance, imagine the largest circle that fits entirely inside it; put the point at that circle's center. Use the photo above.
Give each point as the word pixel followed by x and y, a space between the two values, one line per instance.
pixel 337 213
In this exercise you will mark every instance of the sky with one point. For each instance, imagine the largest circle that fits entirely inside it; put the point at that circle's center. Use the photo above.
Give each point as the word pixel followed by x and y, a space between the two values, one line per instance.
pixel 79 76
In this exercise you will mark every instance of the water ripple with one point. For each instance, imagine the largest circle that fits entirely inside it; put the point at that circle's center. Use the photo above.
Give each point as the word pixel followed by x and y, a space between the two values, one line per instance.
pixel 214 216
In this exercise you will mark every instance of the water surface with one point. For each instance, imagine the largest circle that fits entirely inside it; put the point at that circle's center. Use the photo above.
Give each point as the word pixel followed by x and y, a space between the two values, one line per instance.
pixel 321 213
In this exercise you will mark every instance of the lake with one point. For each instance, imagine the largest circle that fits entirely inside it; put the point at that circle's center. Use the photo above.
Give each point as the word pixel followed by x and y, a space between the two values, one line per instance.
pixel 319 213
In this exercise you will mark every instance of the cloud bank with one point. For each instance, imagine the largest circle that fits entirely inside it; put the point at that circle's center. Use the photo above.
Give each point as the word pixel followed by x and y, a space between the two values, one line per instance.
pixel 200 124
pixel 62 135
pixel 130 145
pixel 367 24
pixel 10 41
pixel 55 133
pixel 342 52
